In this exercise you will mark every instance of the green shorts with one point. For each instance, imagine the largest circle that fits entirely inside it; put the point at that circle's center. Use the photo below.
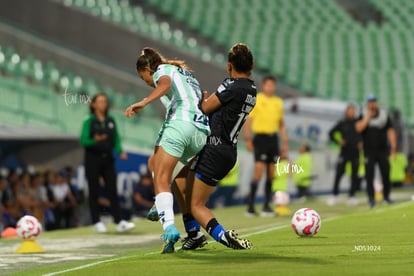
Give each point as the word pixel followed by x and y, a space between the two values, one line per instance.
pixel 181 139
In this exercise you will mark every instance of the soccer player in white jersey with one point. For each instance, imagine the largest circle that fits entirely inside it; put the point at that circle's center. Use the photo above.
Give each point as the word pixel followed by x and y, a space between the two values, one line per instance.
pixel 183 133
pixel 228 109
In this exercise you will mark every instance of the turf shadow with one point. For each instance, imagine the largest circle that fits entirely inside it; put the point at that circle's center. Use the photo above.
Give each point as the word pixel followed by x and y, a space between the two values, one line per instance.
pixel 223 257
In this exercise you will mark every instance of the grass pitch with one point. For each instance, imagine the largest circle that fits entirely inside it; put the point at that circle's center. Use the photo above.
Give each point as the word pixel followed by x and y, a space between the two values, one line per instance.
pixel 352 241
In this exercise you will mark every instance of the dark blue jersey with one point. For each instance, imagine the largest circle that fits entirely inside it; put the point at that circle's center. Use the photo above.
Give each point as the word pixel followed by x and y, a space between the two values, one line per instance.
pixel 237 98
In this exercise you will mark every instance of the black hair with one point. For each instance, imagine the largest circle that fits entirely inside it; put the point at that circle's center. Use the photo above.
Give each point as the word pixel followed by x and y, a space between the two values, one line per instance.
pixel 93 100
pixel 151 59
pixel 269 78
pixel 241 58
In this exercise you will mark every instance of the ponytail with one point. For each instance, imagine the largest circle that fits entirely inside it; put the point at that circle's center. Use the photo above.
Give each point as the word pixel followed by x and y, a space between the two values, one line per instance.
pixel 151 59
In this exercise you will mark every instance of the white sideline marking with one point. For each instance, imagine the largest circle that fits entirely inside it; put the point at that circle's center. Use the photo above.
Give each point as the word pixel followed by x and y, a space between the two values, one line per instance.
pixel 267 230
pixel 150 253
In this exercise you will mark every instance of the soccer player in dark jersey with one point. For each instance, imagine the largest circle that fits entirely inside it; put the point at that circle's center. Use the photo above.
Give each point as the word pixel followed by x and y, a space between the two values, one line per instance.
pixel 228 109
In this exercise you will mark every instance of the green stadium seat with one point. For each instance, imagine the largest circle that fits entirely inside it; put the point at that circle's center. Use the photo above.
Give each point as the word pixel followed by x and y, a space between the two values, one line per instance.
pixel 10 99
pixel 32 93
pixel 299 36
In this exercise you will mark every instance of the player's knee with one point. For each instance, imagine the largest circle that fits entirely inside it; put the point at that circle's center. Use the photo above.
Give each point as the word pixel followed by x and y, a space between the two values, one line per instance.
pixel 257 175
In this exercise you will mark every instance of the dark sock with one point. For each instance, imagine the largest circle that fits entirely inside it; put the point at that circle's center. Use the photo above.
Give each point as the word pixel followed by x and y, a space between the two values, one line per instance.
pixel 216 230
pixel 192 227
pixel 252 196
pixel 268 194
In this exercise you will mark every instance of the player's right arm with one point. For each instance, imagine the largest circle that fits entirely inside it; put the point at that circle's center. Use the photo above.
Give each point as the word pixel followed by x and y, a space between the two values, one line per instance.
pixel 362 124
pixel 210 104
pixel 162 88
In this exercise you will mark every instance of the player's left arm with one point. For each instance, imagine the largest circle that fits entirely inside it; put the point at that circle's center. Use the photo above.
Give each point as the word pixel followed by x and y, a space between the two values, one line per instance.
pixel 210 104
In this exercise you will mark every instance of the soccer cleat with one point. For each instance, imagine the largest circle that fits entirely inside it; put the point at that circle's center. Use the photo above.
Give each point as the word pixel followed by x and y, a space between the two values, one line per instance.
pixel 251 212
pixel 193 243
pixel 124 226
pixel 100 227
pixel 233 241
pixel 332 201
pixel 152 214
pixel 389 201
pixel 169 237
pixel 282 211
pixel 353 201
pixel 267 212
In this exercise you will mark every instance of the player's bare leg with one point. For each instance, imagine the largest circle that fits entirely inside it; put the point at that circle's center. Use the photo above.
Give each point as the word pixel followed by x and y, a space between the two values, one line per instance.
pixel 164 165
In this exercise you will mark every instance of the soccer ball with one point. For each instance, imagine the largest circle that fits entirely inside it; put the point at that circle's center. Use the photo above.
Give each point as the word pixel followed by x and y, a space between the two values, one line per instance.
pixel 28 228
pixel 306 222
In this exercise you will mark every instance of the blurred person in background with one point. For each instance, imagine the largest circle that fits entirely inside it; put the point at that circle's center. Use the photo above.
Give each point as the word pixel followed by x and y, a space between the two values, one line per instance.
pixel 281 197
pixel 49 177
pixel 302 172
pixel 144 195
pixel 100 138
pixel 344 134
pixel 3 187
pixel 72 183
pixel 64 201
pixel 40 194
pixel 266 124
pixel 409 178
pixel 25 194
pixel 398 168
pixel 377 133
pixel 12 211
pixel 80 212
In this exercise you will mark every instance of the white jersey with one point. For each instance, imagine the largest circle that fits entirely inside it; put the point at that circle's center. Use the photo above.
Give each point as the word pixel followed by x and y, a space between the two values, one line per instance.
pixel 185 96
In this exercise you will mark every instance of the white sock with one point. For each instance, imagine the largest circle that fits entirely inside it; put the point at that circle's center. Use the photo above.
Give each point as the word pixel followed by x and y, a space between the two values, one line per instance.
pixel 164 203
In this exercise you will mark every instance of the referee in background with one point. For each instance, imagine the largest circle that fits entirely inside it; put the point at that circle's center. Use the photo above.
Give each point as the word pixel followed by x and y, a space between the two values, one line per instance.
pixel 100 138
pixel 262 130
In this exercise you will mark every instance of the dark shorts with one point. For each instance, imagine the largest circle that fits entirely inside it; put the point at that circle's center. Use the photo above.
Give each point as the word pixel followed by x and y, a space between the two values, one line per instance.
pixel 213 163
pixel 266 148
